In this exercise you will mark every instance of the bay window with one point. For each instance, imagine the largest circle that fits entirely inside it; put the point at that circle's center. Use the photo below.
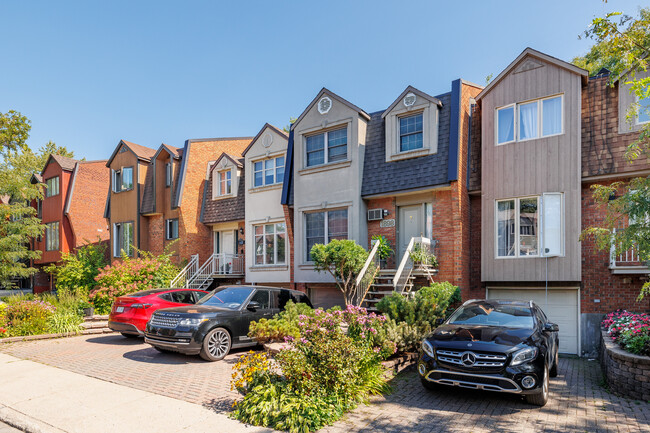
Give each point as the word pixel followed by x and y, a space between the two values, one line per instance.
pixel 270 244
pixel 327 147
pixel 322 227
pixel 268 172
pixel 529 120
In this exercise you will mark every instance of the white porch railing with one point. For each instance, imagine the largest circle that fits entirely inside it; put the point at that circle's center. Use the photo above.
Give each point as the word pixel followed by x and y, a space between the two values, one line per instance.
pixel 626 262
pixel 367 275
pixel 406 265
pixel 187 273
pixel 217 264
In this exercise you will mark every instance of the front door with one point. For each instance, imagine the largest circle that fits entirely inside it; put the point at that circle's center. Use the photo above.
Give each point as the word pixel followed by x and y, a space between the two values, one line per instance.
pixel 411 225
pixel 224 245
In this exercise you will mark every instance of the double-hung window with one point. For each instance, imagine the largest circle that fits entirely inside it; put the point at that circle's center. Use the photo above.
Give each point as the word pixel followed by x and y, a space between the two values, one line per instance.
pixel 322 227
pixel 410 133
pixel 270 244
pixel 327 147
pixel 52 236
pixel 268 171
pixel 530 226
pixel 52 186
pixel 168 174
pixel 171 228
pixel 122 179
pixel 225 182
pixel 529 120
pixel 123 239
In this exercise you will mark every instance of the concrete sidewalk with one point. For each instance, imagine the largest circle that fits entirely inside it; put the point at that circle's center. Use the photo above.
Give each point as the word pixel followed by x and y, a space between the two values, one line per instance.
pixel 41 399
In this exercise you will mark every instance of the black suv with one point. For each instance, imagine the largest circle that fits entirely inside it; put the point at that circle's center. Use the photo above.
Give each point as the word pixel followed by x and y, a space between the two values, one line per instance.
pixel 494 345
pixel 218 322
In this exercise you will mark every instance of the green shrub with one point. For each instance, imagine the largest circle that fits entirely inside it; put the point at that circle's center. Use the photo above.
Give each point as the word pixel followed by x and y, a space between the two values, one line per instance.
pixel 131 275
pixel 282 325
pixel 413 317
pixel 65 321
pixel 28 317
pixel 77 271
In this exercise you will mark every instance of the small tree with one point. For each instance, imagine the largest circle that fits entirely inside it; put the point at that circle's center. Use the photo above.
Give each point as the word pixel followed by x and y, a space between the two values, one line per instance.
pixel 343 259
pixel 77 271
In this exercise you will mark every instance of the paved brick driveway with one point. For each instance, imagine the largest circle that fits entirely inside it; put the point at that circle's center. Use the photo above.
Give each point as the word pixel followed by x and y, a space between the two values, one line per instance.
pixel 578 403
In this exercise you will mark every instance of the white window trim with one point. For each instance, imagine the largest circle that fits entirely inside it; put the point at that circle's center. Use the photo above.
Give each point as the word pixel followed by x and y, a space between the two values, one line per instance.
pixel 168 232
pixel 121 172
pixel 218 194
pixel 540 227
pixel 399 118
pixel 131 247
pixel 326 227
pixel 275 166
pixel 636 117
pixel 275 244
pixel 326 147
pixel 540 116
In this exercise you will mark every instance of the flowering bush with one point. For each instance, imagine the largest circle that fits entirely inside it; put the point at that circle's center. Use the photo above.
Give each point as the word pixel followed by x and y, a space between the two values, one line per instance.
pixel 129 276
pixel 631 331
pixel 27 317
pixel 328 370
pixel 283 324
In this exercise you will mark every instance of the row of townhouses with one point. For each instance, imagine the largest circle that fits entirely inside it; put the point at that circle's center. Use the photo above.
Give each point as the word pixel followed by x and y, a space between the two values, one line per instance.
pixel 496 178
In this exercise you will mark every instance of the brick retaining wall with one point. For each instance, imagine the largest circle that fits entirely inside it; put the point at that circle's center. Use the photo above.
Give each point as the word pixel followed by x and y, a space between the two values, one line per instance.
pixel 626 374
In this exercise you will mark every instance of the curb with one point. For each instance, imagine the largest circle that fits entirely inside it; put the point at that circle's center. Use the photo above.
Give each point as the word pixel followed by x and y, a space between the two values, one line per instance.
pixel 24 422
pixel 53 336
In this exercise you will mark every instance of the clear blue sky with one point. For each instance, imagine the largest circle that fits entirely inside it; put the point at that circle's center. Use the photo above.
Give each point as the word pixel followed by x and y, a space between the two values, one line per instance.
pixel 89 73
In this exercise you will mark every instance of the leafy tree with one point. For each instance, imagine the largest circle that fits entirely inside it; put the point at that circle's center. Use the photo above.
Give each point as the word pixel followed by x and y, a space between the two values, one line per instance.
pixel 77 271
pixel 622 45
pixel 343 259
pixel 14 131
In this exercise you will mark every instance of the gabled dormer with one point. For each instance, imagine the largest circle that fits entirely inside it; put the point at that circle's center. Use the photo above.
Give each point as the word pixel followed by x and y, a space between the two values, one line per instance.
pixel 225 175
pixel 266 159
pixel 411 125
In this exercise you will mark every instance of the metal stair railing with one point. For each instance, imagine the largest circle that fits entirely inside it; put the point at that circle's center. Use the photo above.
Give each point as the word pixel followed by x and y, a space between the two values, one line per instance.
pixel 204 273
pixel 217 264
pixel 406 265
pixel 187 273
pixel 367 275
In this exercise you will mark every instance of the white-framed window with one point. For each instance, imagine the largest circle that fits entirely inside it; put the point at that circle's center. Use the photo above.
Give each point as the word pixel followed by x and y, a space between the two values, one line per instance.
pixel 270 244
pixel 643 110
pixel 410 132
pixel 322 227
pixel 171 228
pixel 268 172
pixel 122 179
pixel 326 147
pixel 123 239
pixel 52 186
pixel 52 236
pixel 530 226
pixel 530 120
pixel 224 182
pixel 168 174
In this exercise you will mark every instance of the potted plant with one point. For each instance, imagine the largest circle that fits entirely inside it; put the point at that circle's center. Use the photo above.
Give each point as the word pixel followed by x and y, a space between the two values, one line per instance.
pixel 384 251
pixel 421 257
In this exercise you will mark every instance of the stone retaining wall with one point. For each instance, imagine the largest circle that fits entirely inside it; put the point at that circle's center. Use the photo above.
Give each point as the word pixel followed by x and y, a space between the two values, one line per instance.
pixel 626 374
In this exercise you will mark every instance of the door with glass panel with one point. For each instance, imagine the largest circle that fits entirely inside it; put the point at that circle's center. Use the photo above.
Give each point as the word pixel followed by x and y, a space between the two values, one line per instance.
pixel 225 248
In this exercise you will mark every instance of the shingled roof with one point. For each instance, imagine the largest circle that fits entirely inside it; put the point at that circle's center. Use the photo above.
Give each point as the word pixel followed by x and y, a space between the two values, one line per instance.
pixel 141 152
pixel 226 209
pixel 65 162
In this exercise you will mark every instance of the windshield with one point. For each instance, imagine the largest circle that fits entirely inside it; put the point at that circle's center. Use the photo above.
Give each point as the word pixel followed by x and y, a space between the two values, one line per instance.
pixel 230 297
pixel 490 314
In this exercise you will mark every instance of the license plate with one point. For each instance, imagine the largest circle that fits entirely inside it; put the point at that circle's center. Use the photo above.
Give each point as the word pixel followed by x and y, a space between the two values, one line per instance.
pixel 119 309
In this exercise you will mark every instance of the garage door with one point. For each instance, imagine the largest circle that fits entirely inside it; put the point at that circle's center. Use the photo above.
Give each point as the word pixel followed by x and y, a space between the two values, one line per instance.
pixel 562 309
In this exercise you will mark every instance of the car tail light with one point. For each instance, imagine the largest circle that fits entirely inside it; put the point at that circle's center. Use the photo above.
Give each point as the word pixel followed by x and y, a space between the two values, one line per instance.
pixel 139 305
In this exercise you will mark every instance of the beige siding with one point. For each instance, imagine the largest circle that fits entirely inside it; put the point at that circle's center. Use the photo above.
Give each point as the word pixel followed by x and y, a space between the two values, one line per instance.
pixel 532 168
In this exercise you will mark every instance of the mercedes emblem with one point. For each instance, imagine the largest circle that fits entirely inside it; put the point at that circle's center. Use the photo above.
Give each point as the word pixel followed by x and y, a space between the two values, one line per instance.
pixel 468 359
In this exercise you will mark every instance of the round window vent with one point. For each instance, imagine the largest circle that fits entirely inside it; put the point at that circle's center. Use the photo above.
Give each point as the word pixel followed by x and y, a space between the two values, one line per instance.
pixel 409 100
pixel 267 140
pixel 324 105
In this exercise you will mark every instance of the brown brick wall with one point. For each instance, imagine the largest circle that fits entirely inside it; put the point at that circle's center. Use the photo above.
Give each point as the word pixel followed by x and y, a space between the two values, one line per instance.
pixel 86 212
pixel 288 219
pixel 374 227
pixel 476 289
pixel 598 283
pixel 156 234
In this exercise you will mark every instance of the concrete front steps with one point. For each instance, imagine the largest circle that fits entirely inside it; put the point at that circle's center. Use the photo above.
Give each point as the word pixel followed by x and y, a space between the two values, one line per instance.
pixel 95 325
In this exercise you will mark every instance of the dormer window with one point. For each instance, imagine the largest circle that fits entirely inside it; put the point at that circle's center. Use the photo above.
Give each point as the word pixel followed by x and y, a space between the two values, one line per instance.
pixel 319 153
pixel 268 172
pixel 529 120
pixel 224 183
pixel 122 179
pixel 52 186
pixel 168 174
pixel 410 133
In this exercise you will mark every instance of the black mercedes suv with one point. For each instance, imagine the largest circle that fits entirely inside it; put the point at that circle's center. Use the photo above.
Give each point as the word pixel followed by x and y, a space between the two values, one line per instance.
pixel 217 322
pixel 493 345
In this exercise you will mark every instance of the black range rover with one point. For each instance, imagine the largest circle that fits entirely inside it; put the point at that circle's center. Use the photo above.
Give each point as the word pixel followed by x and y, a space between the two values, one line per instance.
pixel 494 345
pixel 217 322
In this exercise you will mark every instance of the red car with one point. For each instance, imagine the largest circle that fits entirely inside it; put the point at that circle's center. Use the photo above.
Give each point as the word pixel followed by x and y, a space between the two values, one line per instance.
pixel 130 313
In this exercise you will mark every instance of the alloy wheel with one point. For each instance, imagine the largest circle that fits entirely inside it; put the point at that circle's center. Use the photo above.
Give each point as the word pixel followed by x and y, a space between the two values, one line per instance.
pixel 218 344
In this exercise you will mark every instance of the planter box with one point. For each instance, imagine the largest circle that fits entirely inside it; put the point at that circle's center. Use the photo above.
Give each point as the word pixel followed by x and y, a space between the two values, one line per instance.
pixel 626 374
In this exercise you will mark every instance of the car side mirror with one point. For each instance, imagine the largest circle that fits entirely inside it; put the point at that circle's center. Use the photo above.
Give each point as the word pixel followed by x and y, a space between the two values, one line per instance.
pixel 440 321
pixel 551 327
pixel 253 306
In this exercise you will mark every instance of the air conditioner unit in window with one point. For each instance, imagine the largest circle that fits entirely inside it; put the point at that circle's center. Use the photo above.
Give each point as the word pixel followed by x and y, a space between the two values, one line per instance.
pixel 375 214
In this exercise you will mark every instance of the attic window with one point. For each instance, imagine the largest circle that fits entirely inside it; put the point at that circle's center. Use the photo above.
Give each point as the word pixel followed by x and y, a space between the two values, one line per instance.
pixel 225 183
pixel 324 105
pixel 52 186
pixel 410 133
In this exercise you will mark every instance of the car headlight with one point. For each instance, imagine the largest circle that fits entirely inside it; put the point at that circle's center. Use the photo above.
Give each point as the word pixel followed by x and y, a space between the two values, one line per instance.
pixel 427 348
pixel 191 321
pixel 524 355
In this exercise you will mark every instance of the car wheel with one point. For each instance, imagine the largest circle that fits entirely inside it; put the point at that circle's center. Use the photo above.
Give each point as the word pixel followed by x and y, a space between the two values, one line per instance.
pixel 216 345
pixel 127 335
pixel 553 371
pixel 431 386
pixel 541 398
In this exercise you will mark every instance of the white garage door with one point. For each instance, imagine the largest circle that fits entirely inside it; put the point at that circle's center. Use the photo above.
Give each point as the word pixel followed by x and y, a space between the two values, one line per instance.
pixel 562 309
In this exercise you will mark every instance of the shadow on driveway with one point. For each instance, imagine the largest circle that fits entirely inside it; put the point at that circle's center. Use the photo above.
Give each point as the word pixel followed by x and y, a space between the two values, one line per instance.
pixel 150 355
pixel 116 339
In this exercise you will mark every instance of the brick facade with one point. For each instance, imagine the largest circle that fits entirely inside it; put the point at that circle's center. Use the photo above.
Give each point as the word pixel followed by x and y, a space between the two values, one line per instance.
pixel 288 220
pixel 390 233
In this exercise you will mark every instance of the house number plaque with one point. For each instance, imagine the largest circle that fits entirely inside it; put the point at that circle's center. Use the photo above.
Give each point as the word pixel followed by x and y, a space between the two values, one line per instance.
pixel 387 223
